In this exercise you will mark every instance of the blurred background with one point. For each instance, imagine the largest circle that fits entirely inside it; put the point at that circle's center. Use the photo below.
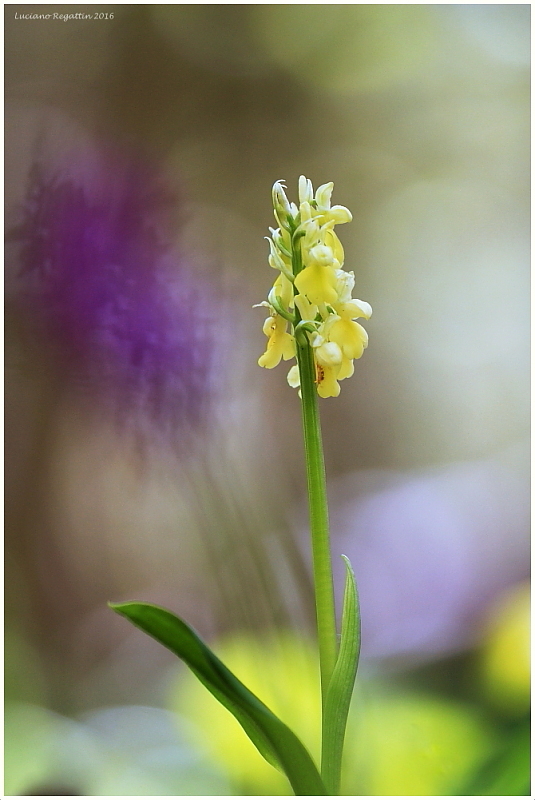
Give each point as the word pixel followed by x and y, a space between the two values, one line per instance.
pixel 147 455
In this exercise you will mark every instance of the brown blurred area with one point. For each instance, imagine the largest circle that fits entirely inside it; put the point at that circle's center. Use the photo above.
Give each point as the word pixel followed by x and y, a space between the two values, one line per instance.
pixel 420 116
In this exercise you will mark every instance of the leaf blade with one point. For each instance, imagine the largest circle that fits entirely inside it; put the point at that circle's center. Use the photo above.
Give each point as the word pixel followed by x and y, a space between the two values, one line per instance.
pixel 341 685
pixel 274 740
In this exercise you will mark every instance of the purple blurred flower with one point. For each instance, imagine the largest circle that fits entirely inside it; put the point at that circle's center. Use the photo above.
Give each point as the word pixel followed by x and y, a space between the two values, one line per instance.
pixel 100 282
pixel 432 550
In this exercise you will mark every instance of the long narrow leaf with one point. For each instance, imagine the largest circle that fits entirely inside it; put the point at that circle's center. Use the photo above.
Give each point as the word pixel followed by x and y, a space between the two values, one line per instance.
pixel 341 686
pixel 275 741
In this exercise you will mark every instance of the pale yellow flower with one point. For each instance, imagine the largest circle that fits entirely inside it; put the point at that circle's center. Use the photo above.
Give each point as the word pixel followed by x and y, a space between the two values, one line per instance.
pixel 326 380
pixel 321 252
pixel 350 337
pixel 317 283
pixel 347 306
pixel 307 310
pixel 339 214
pixel 283 289
pixel 281 345
pixel 328 359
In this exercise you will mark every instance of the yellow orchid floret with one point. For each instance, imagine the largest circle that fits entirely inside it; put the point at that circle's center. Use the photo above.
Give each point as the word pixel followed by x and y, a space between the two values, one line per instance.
pixel 283 290
pixel 281 345
pixel 317 283
pixel 350 337
pixel 322 257
pixel 321 202
pixel 338 214
pixel 328 357
pixel 312 293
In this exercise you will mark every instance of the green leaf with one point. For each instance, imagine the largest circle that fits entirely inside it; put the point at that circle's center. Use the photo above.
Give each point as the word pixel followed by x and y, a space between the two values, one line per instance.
pixel 341 686
pixel 275 741
pixel 508 771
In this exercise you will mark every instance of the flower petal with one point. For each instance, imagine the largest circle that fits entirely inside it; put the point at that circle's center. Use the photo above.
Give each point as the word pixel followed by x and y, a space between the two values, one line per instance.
pixel 347 369
pixel 318 284
pixel 323 195
pixel 288 347
pixel 350 337
pixel 340 214
pixel 327 384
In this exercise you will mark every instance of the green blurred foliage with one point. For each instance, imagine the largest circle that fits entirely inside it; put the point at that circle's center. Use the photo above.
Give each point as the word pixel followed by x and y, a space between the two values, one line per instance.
pixel 28 747
pixel 508 770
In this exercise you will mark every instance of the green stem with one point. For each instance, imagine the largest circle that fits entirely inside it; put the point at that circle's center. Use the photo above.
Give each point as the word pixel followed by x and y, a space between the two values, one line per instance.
pixel 319 518
pixel 317 498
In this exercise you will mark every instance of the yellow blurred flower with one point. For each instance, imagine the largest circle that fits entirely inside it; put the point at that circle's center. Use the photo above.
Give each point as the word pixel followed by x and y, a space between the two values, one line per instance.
pixel 281 669
pixel 412 744
pixel 505 656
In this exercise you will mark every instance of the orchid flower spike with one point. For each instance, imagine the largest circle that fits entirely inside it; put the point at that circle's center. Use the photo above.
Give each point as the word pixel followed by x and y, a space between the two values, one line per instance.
pixel 312 293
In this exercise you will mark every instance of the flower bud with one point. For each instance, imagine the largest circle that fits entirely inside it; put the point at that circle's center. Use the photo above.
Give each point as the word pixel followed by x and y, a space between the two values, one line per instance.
pixel 306 211
pixel 281 204
pixel 323 195
pixel 306 192
pixel 275 260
